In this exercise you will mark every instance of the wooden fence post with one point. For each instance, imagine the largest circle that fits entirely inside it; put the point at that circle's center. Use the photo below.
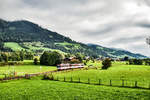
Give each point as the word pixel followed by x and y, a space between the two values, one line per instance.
pixel 88 81
pixel 27 76
pixel 57 78
pixel 123 83
pixel 99 81
pixel 64 79
pixel 136 84
pixel 71 79
pixel 110 83
pixel 79 79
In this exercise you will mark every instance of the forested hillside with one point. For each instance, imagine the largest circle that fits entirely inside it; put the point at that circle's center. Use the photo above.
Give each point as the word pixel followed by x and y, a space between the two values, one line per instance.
pixel 18 35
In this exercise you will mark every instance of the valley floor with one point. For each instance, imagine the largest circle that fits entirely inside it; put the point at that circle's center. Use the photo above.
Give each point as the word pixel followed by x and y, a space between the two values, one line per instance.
pixel 38 89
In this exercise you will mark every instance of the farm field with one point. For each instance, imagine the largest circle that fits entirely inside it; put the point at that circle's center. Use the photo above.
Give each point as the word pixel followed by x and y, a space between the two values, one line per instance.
pixel 28 68
pixel 94 64
pixel 31 46
pixel 118 72
pixel 13 45
pixel 37 89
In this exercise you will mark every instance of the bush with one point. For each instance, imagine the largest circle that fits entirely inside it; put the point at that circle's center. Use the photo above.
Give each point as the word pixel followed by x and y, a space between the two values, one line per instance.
pixel 147 61
pixel 106 63
pixel 45 77
pixel 79 56
pixel 136 62
pixel 48 77
pixel 11 63
pixel 51 58
pixel 35 61
pixel 125 58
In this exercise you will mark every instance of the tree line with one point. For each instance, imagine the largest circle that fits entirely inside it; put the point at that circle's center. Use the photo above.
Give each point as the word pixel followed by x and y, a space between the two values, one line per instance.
pixel 52 58
pixel 139 61
pixel 15 56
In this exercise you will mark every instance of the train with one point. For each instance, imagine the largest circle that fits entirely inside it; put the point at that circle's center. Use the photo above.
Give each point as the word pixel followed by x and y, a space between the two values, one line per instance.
pixel 69 66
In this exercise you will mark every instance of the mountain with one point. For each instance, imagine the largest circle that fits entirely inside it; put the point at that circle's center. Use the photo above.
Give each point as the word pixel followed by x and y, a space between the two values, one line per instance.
pixel 18 35
pixel 115 53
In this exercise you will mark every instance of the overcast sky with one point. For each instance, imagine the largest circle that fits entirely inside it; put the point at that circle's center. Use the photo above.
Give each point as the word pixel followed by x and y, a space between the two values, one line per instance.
pixel 112 23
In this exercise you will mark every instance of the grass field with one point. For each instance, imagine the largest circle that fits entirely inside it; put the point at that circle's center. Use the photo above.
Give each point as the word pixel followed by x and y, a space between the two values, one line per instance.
pixel 24 69
pixel 76 46
pixel 116 73
pixel 27 68
pixel 32 47
pixel 94 64
pixel 36 89
pixel 13 45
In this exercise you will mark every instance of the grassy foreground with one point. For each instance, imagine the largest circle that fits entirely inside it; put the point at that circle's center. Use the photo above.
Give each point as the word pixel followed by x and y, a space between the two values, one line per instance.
pixel 36 89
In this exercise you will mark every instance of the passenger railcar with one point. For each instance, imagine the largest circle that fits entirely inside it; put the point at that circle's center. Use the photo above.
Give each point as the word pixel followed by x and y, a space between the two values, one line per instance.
pixel 69 66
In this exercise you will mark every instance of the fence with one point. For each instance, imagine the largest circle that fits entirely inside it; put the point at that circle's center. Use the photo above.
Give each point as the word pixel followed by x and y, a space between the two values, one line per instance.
pixel 27 76
pixel 108 82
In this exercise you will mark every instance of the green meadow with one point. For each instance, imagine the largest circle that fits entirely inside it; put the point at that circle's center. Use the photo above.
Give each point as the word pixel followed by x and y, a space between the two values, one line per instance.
pixel 27 68
pixel 31 46
pixel 38 89
pixel 13 45
pixel 116 74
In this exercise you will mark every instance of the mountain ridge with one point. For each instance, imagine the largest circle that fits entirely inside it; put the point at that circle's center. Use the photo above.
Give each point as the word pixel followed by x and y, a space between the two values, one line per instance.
pixel 31 36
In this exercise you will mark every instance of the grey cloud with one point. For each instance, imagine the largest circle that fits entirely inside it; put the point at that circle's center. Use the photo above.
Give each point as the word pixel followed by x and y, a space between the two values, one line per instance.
pixel 144 24
pixel 128 39
pixel 147 2
pixel 109 27
pixel 107 20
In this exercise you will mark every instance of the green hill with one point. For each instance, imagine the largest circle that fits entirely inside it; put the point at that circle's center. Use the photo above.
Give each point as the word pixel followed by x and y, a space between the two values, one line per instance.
pixel 17 35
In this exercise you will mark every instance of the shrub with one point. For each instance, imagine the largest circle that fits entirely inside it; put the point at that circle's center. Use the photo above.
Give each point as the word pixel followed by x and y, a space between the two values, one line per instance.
pixel 51 58
pixel 35 61
pixel 45 77
pixel 79 56
pixel 51 77
pixel 147 61
pixel 106 63
pixel 135 61
pixel 125 58
pixel 48 77
pixel 11 63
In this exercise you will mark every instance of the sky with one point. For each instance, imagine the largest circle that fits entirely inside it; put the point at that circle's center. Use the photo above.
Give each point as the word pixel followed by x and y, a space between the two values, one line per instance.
pixel 112 23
